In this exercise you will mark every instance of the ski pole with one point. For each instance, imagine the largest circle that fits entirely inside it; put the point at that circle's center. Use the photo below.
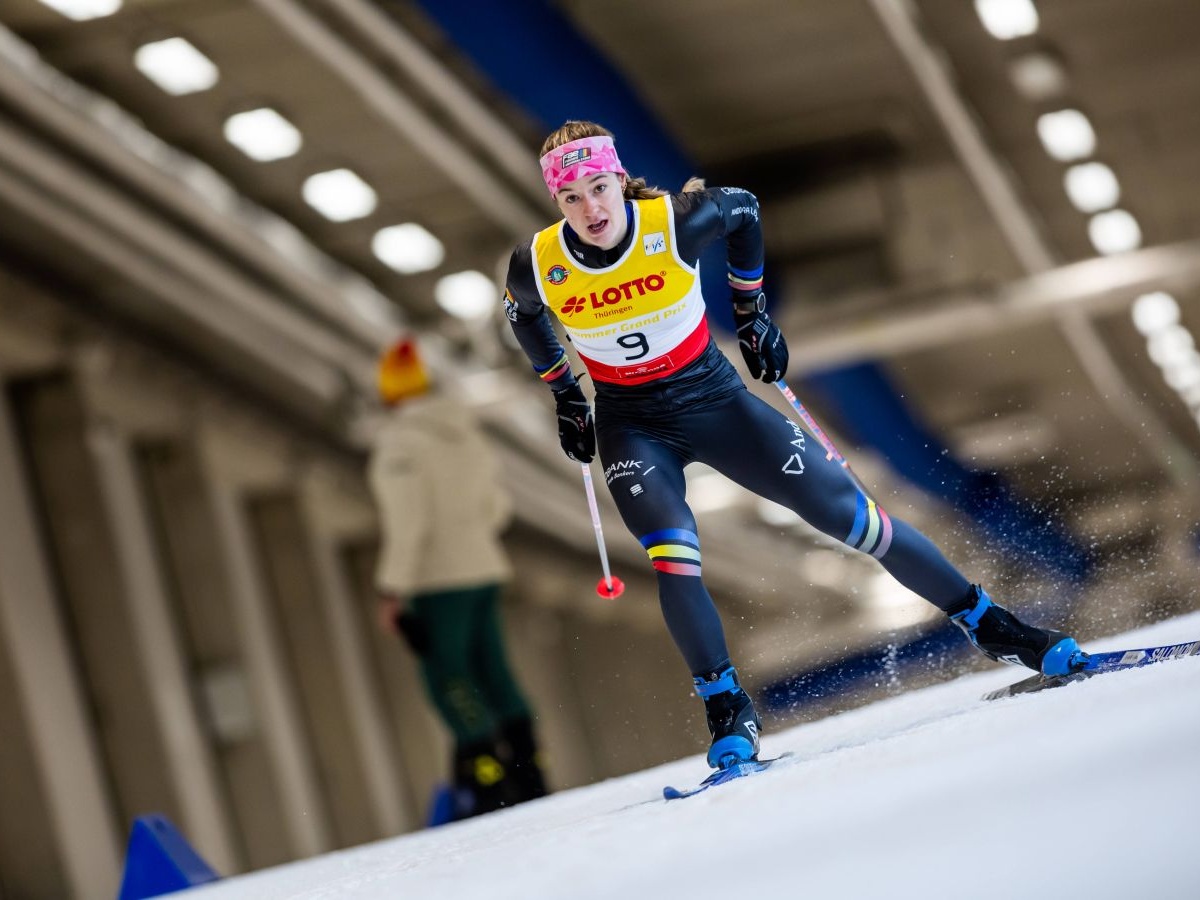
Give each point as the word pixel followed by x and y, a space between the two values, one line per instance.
pixel 818 433
pixel 610 587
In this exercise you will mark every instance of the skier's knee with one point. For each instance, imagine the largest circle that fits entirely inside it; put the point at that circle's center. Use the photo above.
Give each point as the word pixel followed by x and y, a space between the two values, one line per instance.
pixel 674 551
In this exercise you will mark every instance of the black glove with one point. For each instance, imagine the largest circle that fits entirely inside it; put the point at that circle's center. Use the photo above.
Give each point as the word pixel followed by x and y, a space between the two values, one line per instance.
pixel 414 630
pixel 763 347
pixel 576 433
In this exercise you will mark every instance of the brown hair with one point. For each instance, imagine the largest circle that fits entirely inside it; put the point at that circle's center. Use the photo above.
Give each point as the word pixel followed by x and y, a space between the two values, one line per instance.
pixel 635 188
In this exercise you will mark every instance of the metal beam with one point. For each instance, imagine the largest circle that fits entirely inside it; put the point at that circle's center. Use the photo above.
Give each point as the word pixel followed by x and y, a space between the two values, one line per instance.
pixel 92 128
pixel 1089 288
pixel 193 280
pixel 508 210
pixel 470 113
pixel 1019 227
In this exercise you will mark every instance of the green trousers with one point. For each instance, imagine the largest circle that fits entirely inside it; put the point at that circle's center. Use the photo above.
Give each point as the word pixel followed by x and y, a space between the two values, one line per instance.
pixel 464 666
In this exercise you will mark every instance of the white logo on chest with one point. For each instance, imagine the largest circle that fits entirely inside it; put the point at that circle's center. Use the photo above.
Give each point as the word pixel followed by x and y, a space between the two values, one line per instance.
pixel 654 243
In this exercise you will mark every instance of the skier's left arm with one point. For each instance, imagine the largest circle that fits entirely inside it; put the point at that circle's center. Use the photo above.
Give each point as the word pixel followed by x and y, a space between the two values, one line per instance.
pixel 732 214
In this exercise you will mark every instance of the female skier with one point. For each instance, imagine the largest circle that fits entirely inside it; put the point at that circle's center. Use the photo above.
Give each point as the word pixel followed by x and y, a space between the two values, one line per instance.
pixel 620 271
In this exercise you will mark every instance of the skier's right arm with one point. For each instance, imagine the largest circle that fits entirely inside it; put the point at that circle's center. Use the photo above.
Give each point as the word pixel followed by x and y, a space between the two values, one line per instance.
pixel 534 331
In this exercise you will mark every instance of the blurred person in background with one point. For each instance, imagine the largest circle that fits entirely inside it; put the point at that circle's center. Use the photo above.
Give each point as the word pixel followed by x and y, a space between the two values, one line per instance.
pixel 441 573
pixel 620 271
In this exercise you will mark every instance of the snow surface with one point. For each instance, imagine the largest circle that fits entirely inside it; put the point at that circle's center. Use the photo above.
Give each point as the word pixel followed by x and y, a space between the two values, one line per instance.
pixel 1091 790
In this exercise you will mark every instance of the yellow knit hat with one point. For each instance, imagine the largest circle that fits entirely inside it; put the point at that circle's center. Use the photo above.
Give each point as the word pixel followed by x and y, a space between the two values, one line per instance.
pixel 401 372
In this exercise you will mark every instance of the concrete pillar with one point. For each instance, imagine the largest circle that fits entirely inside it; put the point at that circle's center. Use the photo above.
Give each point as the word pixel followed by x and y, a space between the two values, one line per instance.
pixel 61 733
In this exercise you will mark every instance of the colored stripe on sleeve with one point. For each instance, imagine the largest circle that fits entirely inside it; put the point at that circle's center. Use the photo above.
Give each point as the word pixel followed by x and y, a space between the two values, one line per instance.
pixel 746 279
pixel 756 272
pixel 558 369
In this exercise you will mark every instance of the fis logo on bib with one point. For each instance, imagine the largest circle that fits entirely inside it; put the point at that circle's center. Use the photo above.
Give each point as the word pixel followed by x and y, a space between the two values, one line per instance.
pixel 654 243
pixel 557 274
pixel 619 293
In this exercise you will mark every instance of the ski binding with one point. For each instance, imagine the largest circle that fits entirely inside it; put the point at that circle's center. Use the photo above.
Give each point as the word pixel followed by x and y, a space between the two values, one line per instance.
pixel 721 776
pixel 1099 664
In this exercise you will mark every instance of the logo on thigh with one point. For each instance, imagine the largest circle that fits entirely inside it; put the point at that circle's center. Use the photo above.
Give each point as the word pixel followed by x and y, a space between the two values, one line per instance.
pixel 798 441
pixel 624 468
pixel 794 465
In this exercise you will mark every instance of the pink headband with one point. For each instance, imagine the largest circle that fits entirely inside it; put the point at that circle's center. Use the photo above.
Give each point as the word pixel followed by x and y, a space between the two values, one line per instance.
pixel 586 156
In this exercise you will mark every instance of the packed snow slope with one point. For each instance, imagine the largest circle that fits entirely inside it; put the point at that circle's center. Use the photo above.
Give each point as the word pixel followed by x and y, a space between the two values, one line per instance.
pixel 1090 790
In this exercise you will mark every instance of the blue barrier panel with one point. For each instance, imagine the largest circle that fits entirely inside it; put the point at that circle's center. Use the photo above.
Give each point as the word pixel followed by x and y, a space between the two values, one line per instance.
pixel 159 861
pixel 443 806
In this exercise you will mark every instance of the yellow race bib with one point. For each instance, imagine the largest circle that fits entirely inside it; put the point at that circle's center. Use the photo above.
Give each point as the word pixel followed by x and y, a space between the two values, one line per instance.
pixel 637 320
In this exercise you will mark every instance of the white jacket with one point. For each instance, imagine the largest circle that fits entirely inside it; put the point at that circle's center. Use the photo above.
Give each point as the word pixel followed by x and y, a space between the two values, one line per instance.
pixel 441 505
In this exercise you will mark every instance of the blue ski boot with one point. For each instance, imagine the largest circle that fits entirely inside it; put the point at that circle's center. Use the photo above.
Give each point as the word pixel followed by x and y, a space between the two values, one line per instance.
pixel 1004 638
pixel 732 721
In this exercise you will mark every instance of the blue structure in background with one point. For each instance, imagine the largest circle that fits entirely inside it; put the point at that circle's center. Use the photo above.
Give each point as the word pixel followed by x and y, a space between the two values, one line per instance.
pixel 941 646
pixel 872 414
pixel 535 55
pixel 159 861
pixel 532 53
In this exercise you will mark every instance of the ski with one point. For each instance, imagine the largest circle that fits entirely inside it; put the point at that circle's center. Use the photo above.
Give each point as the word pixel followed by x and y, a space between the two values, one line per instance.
pixel 1099 664
pixel 721 776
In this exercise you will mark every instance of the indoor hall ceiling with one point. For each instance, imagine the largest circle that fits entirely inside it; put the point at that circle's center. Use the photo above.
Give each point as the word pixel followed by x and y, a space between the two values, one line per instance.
pixel 262 63
pixel 869 211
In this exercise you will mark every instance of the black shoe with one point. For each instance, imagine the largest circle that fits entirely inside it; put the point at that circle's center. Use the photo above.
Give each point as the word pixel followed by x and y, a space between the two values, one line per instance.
pixel 524 760
pixel 732 721
pixel 481 781
pixel 1004 638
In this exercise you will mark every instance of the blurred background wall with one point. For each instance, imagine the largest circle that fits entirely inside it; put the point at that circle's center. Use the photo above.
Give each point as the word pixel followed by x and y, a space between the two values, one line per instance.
pixel 983 252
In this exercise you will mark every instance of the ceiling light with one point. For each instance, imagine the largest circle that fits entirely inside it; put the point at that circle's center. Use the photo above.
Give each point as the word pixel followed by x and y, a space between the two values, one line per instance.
pixel 1173 346
pixel 1183 374
pixel 1066 134
pixel 1154 311
pixel 1038 76
pixel 467 295
pixel 82 10
pixel 408 248
pixel 1114 231
pixel 175 66
pixel 263 134
pixel 1170 345
pixel 339 195
pixel 1007 19
pixel 1092 187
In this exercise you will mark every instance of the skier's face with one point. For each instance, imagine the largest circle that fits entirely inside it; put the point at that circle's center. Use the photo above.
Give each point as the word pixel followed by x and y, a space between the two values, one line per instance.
pixel 594 207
